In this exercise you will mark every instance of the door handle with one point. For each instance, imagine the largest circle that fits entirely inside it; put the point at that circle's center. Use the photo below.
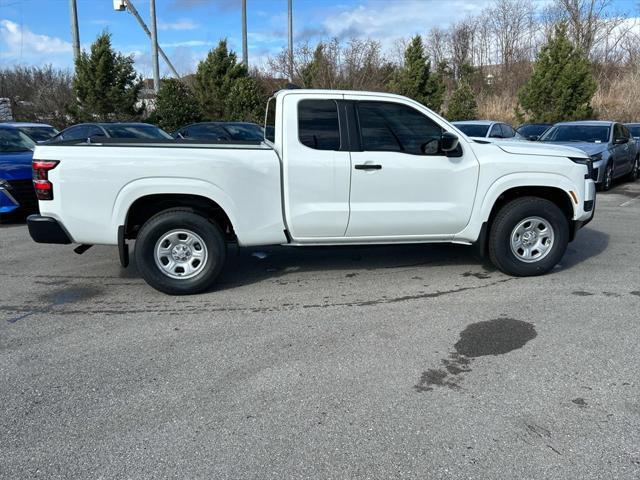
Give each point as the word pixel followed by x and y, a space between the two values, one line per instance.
pixel 368 166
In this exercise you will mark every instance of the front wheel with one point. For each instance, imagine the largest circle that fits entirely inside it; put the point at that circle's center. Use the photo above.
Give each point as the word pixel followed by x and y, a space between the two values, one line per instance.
pixel 635 171
pixel 180 252
pixel 528 237
pixel 607 181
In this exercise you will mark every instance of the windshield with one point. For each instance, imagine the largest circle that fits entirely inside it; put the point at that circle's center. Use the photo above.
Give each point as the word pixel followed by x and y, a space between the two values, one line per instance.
pixel 473 130
pixel 577 133
pixel 634 129
pixel 135 131
pixel 532 130
pixel 244 132
pixel 39 134
pixel 13 140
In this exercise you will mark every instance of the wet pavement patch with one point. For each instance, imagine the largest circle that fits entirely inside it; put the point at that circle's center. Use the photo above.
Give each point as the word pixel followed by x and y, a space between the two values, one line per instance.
pixel 492 337
pixel 70 295
pixel 582 293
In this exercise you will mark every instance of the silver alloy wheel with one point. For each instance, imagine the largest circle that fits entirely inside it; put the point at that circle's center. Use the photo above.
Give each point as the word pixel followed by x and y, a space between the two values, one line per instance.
pixel 532 239
pixel 636 169
pixel 608 177
pixel 181 254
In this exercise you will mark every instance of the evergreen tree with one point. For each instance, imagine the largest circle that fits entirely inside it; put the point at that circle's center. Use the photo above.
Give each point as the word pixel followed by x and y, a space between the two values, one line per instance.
pixel 561 86
pixel 176 105
pixel 215 78
pixel 415 79
pixel 462 105
pixel 246 101
pixel 105 85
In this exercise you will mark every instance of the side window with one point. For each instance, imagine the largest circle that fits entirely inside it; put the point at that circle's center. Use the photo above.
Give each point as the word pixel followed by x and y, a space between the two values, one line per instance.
pixel 496 131
pixel 626 132
pixel 76 133
pixel 318 125
pixel 95 131
pixel 617 131
pixel 393 127
pixel 270 121
pixel 508 131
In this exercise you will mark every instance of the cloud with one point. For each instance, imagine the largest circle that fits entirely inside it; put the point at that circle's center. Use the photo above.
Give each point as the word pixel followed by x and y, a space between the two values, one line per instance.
pixel 18 44
pixel 188 43
pixel 181 24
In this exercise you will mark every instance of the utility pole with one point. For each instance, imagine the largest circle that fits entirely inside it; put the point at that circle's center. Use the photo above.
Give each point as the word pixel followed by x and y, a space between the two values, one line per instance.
pixel 154 46
pixel 290 40
pixel 75 34
pixel 245 52
pixel 132 9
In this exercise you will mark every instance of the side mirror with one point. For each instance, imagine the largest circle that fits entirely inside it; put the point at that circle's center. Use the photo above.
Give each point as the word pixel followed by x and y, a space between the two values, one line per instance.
pixel 448 142
pixel 620 140
pixel 533 138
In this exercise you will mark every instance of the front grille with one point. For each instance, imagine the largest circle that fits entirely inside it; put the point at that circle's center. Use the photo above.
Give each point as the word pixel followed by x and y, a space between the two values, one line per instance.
pixel 25 195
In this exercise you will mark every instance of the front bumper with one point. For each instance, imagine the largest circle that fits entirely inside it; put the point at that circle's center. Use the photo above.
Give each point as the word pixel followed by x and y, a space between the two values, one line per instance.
pixel 47 230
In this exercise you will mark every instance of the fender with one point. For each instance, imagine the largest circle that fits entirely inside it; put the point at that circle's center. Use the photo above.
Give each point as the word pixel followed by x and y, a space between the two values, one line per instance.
pixel 136 189
pixel 484 205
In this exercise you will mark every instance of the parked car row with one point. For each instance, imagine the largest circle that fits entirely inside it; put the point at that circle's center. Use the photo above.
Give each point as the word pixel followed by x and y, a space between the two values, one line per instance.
pixel 18 140
pixel 612 146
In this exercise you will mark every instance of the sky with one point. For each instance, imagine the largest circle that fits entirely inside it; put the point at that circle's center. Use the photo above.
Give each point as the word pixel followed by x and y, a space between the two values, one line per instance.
pixel 36 32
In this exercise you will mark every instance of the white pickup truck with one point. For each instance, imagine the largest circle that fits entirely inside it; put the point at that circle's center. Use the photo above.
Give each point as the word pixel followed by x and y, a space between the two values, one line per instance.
pixel 335 168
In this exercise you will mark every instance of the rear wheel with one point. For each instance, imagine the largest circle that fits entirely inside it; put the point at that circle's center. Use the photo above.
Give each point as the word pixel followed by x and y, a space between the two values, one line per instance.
pixel 528 237
pixel 180 252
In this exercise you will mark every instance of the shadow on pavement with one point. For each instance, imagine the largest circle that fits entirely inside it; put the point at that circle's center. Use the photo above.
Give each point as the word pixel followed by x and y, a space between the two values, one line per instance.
pixel 589 243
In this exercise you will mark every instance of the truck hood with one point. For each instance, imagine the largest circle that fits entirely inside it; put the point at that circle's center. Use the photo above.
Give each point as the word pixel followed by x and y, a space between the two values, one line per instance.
pixel 537 148
pixel 15 166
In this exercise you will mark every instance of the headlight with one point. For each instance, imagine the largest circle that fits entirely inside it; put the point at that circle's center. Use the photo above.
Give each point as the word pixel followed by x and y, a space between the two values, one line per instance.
pixel 596 157
pixel 588 162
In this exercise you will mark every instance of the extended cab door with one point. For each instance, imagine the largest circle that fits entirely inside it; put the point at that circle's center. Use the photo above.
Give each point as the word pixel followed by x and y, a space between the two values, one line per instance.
pixel 400 184
pixel 316 170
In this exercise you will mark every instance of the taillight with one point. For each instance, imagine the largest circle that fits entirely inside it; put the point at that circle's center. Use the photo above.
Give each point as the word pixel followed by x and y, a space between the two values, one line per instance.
pixel 41 183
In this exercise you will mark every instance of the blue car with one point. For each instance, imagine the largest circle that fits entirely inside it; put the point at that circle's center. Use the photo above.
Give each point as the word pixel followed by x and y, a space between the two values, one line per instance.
pixel 17 195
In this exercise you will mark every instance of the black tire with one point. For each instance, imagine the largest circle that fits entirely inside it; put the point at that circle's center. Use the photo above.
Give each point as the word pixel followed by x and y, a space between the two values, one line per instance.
pixel 633 175
pixel 504 224
pixel 607 179
pixel 177 219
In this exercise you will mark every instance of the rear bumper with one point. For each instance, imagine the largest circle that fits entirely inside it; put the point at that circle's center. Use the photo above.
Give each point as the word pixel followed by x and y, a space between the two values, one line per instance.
pixel 47 230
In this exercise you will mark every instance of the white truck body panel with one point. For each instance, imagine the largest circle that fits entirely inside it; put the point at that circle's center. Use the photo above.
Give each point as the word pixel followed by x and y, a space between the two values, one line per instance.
pixel 316 195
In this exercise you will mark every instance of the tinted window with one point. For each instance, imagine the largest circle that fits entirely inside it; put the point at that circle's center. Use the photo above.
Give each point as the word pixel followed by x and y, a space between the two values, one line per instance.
pixel 508 131
pixel 617 131
pixel 626 132
pixel 75 133
pixel 473 130
pixel 577 133
pixel 135 131
pixel 318 126
pixel 95 131
pixel 395 127
pixel 532 130
pixel 496 131
pixel 206 132
pixel 244 131
pixel 270 121
pixel 634 130
pixel 13 140
pixel 39 134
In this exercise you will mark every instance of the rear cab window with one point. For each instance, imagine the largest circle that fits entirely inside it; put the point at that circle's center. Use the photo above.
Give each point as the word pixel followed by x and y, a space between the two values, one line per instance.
pixel 318 124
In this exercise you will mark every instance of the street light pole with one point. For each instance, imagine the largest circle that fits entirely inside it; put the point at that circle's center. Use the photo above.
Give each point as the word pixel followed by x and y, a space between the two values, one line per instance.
pixel 245 52
pixel 290 14
pixel 75 34
pixel 154 46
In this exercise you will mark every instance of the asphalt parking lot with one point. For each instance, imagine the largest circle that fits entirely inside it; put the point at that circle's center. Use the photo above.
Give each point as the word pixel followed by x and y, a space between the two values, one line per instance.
pixel 334 363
